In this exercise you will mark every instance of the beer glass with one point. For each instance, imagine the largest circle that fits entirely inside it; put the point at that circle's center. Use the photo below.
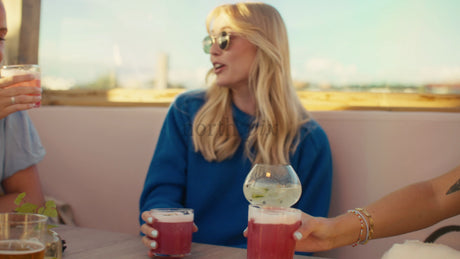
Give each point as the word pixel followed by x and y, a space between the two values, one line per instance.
pixel 22 235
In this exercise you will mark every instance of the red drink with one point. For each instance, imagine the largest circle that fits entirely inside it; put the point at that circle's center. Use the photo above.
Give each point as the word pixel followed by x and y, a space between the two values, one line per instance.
pixel 270 232
pixel 175 232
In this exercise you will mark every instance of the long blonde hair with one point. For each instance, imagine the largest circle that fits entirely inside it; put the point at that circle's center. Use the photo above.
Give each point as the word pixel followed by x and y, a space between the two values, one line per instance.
pixel 279 112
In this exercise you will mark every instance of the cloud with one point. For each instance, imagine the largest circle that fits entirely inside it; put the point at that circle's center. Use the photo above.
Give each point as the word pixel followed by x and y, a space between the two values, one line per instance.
pixel 190 78
pixel 441 74
pixel 58 83
pixel 328 70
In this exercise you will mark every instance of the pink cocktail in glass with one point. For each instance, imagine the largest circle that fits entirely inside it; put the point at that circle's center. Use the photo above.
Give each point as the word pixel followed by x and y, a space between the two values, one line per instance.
pixel 175 227
pixel 270 232
pixel 13 70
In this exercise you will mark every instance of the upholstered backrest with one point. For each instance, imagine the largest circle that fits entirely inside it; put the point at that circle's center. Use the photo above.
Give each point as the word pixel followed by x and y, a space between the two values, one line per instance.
pixel 97 158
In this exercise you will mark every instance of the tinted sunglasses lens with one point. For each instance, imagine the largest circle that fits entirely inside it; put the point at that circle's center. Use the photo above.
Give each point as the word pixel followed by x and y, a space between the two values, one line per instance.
pixel 207 43
pixel 223 40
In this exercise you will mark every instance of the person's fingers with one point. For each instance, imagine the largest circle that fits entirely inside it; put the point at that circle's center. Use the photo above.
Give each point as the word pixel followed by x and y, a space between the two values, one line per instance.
pixel 20 91
pixel 195 228
pixel 305 228
pixel 14 108
pixel 149 231
pixel 10 80
pixel 149 243
pixel 298 235
pixel 23 99
pixel 147 217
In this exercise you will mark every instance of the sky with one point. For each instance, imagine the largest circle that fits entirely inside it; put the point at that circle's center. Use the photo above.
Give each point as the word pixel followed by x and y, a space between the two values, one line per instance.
pixel 339 42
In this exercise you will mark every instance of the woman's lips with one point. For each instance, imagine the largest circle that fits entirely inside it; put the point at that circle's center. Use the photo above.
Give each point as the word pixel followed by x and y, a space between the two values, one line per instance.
pixel 218 68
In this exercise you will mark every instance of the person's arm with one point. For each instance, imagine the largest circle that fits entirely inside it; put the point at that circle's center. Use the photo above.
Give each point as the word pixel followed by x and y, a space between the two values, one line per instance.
pixel 13 99
pixel 27 181
pixel 416 206
pixel 166 178
pixel 408 209
pixel 165 182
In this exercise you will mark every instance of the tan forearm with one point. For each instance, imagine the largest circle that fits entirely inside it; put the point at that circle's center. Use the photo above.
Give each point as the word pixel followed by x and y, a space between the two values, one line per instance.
pixel 7 202
pixel 26 181
pixel 408 209
pixel 411 208
pixel 416 206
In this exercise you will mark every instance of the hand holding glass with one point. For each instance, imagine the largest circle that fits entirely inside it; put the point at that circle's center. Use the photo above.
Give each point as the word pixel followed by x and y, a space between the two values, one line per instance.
pixel 175 228
pixel 13 70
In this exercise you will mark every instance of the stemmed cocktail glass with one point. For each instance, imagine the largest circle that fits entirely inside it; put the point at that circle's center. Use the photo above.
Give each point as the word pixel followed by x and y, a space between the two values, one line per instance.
pixel 272 185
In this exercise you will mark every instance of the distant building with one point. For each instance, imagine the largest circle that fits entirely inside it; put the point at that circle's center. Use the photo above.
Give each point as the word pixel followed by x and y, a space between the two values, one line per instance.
pixel 448 88
pixel 161 79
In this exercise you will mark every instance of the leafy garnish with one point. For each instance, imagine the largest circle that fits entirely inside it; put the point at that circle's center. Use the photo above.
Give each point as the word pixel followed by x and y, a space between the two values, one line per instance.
pixel 25 207
pixel 19 198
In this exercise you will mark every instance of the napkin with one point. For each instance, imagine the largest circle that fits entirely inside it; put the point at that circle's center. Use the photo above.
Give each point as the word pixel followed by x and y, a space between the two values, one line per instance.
pixel 419 250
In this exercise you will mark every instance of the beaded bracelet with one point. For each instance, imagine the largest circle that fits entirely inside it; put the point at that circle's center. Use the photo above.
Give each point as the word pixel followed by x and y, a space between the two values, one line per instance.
pixel 360 212
pixel 367 228
pixel 362 222
pixel 371 221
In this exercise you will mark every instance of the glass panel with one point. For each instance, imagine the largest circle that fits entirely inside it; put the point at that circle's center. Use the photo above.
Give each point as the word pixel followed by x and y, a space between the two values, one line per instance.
pixel 380 46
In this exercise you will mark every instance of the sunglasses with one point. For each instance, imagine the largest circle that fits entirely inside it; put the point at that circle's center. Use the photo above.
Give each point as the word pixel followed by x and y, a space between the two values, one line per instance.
pixel 223 41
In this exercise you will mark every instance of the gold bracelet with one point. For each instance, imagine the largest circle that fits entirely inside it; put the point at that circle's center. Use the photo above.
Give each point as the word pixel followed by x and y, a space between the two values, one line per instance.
pixel 371 222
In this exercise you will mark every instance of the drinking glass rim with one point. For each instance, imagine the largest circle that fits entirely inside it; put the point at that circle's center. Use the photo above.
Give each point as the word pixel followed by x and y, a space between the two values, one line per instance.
pixel 274 208
pixel 19 66
pixel 274 215
pixel 272 165
pixel 13 217
pixel 186 211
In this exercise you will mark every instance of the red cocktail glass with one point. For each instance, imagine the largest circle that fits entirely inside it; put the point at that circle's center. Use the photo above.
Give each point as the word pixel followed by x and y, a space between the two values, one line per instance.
pixel 175 227
pixel 270 232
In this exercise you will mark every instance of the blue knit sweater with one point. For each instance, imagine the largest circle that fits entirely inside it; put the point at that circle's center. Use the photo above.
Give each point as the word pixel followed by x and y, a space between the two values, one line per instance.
pixel 180 177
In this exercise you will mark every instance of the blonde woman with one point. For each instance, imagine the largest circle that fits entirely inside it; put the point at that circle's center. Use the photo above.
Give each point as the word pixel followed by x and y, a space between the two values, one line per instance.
pixel 250 114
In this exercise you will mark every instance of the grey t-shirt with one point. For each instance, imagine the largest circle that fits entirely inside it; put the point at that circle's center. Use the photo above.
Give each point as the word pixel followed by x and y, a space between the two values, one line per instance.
pixel 20 145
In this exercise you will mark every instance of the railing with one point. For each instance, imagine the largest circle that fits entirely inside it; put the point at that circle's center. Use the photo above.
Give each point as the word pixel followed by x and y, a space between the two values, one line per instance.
pixel 313 101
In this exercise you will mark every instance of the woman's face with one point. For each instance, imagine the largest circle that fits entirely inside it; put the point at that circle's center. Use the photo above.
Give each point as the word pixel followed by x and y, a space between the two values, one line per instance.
pixel 231 65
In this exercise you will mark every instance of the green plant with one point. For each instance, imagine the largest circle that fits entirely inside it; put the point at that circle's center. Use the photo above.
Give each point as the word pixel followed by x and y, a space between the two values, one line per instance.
pixel 25 207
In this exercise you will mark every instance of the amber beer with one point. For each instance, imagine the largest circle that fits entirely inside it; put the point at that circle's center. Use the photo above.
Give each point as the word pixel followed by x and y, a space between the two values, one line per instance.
pixel 21 249
pixel 22 235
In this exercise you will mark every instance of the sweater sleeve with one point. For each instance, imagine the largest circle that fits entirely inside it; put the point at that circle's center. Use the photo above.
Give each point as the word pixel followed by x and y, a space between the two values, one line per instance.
pixel 314 167
pixel 165 182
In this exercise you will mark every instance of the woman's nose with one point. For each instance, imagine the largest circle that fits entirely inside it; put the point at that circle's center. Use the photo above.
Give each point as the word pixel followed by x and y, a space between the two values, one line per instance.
pixel 215 50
